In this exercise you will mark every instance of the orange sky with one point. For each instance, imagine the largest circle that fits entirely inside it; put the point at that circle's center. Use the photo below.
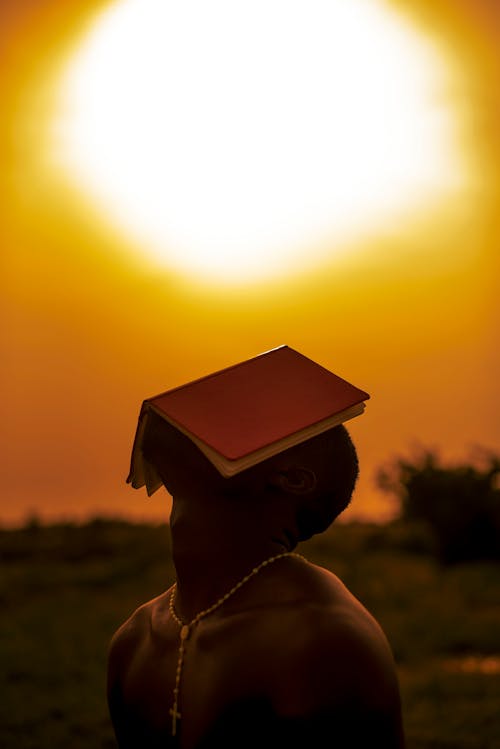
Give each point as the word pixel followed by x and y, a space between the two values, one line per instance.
pixel 88 331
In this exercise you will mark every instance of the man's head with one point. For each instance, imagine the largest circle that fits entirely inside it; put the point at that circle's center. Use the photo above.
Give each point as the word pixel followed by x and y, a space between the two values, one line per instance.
pixel 316 478
pixel 322 473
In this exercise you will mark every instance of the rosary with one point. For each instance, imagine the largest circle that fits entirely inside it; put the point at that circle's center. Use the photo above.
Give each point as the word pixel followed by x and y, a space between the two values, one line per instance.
pixel 185 627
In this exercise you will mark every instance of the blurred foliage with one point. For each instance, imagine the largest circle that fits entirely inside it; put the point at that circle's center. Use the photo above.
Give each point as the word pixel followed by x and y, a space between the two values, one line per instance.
pixel 65 588
pixel 459 504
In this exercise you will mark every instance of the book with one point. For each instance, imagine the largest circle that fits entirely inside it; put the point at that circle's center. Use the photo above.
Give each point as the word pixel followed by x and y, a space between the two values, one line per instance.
pixel 248 412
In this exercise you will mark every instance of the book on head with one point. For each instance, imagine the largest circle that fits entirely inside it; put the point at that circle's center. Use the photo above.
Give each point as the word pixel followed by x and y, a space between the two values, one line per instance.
pixel 248 412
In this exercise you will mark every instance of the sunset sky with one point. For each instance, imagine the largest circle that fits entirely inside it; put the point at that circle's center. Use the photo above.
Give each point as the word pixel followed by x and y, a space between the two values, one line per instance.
pixel 182 192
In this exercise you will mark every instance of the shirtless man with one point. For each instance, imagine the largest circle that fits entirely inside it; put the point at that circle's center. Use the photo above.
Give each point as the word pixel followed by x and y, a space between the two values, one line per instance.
pixel 290 658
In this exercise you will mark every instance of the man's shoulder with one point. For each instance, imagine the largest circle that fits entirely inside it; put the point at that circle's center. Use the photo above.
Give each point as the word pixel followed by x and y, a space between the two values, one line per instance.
pixel 328 613
pixel 344 644
pixel 129 636
pixel 335 627
pixel 338 621
pixel 330 640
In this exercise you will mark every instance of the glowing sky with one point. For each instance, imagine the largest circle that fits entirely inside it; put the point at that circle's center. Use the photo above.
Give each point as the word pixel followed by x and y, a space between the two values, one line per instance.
pixel 245 140
pixel 406 308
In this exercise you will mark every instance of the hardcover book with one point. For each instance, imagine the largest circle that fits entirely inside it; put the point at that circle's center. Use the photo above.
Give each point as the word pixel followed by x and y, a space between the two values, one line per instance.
pixel 246 413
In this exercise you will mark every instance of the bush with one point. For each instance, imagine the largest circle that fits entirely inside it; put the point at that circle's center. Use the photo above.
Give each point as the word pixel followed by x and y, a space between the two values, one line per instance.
pixel 460 504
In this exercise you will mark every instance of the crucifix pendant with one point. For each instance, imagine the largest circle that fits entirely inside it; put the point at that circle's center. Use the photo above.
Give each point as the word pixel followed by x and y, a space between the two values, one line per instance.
pixel 175 716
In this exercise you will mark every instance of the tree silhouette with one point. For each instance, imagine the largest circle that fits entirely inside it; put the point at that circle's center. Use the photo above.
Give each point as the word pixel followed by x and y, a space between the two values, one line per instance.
pixel 460 504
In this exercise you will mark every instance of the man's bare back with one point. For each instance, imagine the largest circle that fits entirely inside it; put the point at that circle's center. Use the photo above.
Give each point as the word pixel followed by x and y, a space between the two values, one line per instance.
pixel 292 660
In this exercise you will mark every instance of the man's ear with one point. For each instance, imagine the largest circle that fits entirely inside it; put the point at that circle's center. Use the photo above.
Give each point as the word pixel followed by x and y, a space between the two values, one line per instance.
pixel 296 480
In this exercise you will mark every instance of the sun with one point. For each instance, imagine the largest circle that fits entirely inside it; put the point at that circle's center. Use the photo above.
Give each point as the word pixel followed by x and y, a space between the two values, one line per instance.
pixel 240 140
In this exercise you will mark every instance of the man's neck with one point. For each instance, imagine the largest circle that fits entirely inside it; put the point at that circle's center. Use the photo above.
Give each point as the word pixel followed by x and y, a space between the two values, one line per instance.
pixel 213 551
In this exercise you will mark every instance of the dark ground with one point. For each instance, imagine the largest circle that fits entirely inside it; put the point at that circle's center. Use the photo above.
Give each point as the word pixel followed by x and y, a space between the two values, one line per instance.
pixel 64 589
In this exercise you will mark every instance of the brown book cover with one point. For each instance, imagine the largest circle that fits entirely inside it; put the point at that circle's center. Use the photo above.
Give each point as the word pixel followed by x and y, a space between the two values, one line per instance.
pixel 250 411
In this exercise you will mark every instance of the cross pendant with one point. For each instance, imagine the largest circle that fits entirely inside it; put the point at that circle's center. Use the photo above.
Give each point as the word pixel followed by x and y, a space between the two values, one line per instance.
pixel 175 714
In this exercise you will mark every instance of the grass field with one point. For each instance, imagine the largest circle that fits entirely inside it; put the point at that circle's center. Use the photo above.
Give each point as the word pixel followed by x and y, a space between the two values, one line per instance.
pixel 64 589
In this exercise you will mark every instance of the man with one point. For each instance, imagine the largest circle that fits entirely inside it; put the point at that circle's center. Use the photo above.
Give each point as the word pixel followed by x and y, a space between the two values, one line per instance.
pixel 243 653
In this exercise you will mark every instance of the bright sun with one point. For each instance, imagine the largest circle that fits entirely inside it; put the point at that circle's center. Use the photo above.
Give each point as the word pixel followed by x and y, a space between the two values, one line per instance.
pixel 231 139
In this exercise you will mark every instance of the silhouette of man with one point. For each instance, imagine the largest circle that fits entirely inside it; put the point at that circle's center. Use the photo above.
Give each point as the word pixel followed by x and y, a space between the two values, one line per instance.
pixel 290 658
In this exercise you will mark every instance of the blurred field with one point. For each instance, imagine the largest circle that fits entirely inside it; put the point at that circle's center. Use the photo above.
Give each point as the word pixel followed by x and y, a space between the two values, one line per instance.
pixel 64 589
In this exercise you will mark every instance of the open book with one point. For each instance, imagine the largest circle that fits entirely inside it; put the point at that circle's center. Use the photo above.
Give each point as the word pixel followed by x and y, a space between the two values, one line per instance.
pixel 246 413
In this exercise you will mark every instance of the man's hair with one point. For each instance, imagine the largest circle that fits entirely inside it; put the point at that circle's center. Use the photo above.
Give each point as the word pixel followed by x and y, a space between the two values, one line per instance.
pixel 331 456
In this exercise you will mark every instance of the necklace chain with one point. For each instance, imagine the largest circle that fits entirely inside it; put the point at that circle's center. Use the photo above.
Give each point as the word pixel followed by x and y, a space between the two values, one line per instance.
pixel 185 627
